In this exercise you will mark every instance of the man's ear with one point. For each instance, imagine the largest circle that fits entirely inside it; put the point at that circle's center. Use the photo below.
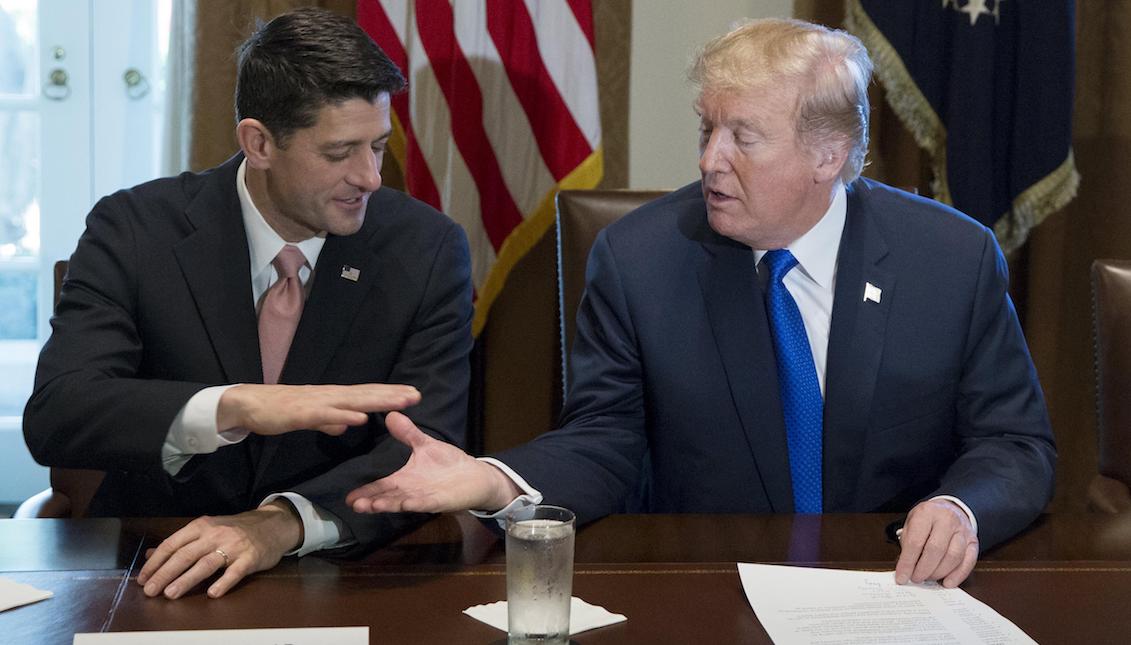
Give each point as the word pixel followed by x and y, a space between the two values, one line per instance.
pixel 257 143
pixel 830 161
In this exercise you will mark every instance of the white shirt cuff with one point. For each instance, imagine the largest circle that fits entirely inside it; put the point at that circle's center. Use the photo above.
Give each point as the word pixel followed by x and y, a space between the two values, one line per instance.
pixel 194 430
pixel 321 529
pixel 964 507
pixel 529 496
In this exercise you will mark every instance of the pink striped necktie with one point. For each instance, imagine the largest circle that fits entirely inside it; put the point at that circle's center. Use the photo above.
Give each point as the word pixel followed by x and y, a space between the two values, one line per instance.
pixel 280 313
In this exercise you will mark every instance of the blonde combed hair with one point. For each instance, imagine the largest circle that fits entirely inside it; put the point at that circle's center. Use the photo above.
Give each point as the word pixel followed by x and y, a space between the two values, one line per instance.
pixel 830 67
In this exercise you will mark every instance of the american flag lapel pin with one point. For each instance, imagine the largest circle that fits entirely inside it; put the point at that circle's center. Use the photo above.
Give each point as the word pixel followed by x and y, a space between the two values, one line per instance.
pixel 350 273
pixel 871 293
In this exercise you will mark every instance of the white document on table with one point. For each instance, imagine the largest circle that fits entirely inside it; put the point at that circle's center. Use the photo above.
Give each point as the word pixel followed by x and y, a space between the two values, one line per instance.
pixel 834 607
pixel 15 594
pixel 289 636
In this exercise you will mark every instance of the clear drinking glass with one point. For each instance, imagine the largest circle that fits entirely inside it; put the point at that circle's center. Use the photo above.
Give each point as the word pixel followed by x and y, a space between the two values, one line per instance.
pixel 539 574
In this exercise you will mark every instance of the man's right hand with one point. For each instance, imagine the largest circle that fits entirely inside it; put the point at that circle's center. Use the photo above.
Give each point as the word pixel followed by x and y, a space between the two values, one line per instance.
pixel 438 478
pixel 235 545
pixel 276 409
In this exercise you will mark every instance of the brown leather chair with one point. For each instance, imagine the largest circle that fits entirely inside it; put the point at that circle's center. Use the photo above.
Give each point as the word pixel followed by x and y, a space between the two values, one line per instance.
pixel 581 215
pixel 1111 309
pixel 71 489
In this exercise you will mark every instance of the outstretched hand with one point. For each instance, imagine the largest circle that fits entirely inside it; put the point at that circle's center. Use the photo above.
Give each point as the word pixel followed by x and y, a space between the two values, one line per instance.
pixel 276 409
pixel 438 478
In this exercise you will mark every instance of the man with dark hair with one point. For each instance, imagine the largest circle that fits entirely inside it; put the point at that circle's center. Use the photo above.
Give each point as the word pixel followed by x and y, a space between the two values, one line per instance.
pixel 308 58
pixel 204 318
pixel 782 336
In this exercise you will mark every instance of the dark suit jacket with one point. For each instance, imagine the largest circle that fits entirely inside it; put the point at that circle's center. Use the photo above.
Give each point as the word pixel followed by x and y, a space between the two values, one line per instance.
pixel 157 305
pixel 930 391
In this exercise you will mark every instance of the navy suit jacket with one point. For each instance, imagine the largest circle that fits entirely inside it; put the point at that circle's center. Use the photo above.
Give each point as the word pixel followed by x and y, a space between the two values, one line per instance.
pixel 157 305
pixel 674 406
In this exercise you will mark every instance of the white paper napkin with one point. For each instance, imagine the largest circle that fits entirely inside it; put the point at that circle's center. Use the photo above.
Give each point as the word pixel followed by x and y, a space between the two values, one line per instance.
pixel 582 615
pixel 14 594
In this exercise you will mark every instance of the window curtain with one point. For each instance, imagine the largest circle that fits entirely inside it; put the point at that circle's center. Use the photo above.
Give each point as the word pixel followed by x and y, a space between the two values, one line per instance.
pixel 179 88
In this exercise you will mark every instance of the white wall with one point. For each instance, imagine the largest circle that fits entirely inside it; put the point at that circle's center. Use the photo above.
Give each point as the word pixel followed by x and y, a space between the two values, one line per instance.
pixel 662 128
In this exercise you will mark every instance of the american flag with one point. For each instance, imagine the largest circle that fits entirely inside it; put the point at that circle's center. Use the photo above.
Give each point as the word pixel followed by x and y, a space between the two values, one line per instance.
pixel 500 114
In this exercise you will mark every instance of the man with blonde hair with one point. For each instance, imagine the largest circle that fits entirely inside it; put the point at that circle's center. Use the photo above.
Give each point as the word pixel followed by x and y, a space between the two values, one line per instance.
pixel 782 336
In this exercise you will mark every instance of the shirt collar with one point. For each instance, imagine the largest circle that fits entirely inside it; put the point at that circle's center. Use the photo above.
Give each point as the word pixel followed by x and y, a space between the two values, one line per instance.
pixel 262 240
pixel 816 250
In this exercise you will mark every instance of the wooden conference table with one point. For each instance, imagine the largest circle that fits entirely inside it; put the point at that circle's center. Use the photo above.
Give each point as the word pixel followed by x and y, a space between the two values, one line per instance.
pixel 1066 580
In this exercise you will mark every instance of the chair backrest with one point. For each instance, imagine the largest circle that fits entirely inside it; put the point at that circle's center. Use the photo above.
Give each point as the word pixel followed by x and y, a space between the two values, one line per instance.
pixel 1111 305
pixel 71 489
pixel 60 273
pixel 581 215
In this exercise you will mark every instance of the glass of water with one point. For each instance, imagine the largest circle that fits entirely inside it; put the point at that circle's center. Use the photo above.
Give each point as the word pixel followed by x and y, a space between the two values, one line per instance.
pixel 539 574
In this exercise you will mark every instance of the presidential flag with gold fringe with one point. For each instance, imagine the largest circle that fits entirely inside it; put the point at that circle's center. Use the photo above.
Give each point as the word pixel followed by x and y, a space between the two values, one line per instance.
pixel 985 87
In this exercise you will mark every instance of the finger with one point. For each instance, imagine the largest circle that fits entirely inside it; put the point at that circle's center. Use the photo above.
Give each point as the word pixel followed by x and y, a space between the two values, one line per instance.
pixel 326 416
pixel 393 397
pixel 237 571
pixel 377 488
pixel 374 397
pixel 358 498
pixel 364 498
pixel 156 558
pixel 204 567
pixel 911 543
pixel 173 568
pixel 379 497
pixel 933 552
pixel 143 575
pixel 959 575
pixel 400 504
pixel 955 552
pixel 405 431
pixel 175 565
pixel 333 430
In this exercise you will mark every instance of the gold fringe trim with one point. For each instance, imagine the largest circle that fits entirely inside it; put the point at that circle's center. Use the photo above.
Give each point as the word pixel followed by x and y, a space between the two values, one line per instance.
pixel 1029 209
pixel 586 175
pixel 398 144
pixel 1037 202
pixel 903 95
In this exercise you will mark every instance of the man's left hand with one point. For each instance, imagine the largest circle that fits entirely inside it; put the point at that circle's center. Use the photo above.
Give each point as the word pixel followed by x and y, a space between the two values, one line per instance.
pixel 938 543
pixel 253 541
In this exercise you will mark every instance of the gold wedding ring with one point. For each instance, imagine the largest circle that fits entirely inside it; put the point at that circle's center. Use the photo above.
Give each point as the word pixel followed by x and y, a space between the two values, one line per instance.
pixel 223 555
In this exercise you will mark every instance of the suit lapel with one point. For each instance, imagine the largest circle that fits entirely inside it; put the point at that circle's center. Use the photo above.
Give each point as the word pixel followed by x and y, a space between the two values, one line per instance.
pixel 330 311
pixel 856 340
pixel 738 322
pixel 215 262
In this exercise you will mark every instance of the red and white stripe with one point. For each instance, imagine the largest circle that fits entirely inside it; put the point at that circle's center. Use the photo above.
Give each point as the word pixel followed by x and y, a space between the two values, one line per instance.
pixel 501 113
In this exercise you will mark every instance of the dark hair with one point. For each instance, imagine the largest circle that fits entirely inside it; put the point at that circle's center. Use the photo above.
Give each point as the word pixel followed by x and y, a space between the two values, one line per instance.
pixel 301 61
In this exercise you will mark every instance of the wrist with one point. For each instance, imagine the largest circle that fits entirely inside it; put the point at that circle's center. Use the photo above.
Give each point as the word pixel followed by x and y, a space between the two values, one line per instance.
pixel 291 533
pixel 503 489
pixel 233 406
pixel 228 415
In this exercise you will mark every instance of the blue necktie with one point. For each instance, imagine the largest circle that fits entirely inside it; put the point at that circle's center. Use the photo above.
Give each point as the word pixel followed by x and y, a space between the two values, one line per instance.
pixel 801 400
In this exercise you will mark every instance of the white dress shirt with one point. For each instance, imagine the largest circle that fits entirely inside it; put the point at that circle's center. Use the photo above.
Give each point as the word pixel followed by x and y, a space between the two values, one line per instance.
pixel 194 430
pixel 812 283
